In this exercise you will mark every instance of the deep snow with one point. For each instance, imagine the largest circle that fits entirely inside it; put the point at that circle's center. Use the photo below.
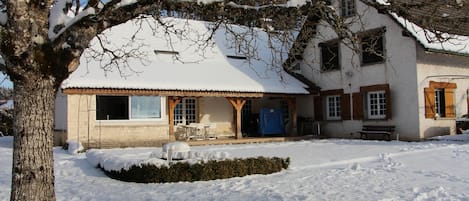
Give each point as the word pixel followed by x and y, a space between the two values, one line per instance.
pixel 332 169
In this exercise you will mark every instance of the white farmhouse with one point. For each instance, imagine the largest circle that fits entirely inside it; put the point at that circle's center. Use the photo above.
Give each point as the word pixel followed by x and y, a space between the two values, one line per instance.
pixel 398 77
pixel 176 85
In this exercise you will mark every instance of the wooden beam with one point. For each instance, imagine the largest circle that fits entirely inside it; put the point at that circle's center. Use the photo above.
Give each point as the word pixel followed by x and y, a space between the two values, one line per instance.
pixel 182 93
pixel 238 104
pixel 293 116
pixel 172 102
pixel 467 100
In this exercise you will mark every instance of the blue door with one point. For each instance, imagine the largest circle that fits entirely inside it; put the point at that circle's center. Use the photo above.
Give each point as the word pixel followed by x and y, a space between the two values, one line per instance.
pixel 271 122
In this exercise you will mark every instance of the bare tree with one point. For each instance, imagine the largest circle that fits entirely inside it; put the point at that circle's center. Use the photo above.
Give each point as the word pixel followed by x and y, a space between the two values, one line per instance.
pixel 41 45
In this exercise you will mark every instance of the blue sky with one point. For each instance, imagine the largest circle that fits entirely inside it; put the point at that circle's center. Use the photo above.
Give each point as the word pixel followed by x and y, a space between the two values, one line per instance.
pixel 5 82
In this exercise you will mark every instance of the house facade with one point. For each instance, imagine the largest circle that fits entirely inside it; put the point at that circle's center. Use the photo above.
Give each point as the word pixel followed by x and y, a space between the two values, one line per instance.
pixel 392 76
pixel 144 100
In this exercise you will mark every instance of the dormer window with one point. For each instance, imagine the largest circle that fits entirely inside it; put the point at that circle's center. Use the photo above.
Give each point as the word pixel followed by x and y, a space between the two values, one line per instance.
pixel 347 8
pixel 166 52
pixel 236 57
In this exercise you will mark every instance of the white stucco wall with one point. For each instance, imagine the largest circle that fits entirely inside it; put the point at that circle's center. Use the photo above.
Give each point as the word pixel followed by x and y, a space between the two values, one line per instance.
pixel 60 114
pixel 399 71
pixel 217 110
pixel 442 68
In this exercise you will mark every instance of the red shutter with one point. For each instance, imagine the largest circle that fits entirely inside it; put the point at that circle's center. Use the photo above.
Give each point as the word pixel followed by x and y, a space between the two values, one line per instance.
pixel 318 114
pixel 357 106
pixel 345 106
pixel 388 103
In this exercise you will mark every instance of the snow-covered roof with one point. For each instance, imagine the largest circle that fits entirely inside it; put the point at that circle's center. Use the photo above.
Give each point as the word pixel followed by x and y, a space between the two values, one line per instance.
pixel 448 43
pixel 196 69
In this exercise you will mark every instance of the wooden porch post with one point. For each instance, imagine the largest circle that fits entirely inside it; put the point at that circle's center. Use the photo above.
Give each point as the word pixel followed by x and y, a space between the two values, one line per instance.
pixel 238 104
pixel 172 102
pixel 293 116
pixel 467 100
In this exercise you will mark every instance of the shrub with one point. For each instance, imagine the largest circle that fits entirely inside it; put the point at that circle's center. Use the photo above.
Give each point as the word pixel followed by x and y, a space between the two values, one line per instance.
pixel 210 170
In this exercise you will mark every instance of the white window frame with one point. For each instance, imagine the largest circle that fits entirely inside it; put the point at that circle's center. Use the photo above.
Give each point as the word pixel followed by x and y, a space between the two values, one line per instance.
pixel 129 108
pixel 162 106
pixel 186 105
pixel 380 111
pixel 348 8
pixel 333 107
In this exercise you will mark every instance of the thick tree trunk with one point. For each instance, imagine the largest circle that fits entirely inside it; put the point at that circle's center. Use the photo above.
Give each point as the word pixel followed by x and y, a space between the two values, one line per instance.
pixel 33 174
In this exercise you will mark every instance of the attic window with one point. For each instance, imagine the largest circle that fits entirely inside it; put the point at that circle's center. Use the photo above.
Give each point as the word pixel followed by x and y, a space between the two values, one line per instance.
pixel 168 52
pixel 236 57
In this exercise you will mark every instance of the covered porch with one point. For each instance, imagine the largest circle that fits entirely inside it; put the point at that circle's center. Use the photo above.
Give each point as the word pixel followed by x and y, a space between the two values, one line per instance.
pixel 243 116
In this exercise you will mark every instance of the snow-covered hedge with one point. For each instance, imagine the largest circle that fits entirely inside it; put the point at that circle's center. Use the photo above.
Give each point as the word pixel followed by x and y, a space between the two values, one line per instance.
pixel 198 166
pixel 203 171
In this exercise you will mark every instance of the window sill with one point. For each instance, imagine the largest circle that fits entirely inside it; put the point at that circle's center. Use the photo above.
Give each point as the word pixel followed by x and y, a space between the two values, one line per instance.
pixel 330 70
pixel 333 120
pixel 444 118
pixel 381 119
pixel 145 122
pixel 371 64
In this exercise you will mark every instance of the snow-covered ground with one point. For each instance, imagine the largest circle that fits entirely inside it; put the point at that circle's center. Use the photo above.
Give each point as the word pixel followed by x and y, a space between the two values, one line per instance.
pixel 331 169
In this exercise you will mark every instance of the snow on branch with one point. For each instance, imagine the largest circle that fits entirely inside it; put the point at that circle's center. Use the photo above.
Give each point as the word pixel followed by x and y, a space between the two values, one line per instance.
pixel 3 13
pixel 60 20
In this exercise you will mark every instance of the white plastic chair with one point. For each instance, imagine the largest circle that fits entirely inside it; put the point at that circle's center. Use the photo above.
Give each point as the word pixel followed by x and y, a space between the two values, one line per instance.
pixel 210 131
pixel 196 131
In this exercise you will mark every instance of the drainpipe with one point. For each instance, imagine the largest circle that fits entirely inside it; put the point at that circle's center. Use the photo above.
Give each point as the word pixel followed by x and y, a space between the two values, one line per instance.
pixel 351 101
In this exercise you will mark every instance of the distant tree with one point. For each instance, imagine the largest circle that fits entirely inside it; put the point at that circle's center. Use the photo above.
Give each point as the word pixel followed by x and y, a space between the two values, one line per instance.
pixel 6 93
pixel 41 45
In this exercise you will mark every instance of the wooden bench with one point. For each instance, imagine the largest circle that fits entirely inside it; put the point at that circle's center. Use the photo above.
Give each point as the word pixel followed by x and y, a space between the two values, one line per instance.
pixel 384 130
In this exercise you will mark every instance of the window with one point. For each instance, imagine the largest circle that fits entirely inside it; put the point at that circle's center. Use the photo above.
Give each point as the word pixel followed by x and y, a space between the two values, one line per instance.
pixel 143 107
pixel 347 8
pixel 372 103
pixel 112 107
pixel 439 100
pixel 330 56
pixel 185 112
pixel 118 107
pixel 333 109
pixel 372 47
pixel 376 105
pixel 332 105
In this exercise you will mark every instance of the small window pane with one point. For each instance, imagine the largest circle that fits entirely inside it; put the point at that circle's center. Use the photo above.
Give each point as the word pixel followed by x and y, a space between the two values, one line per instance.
pixel 348 8
pixel 145 107
pixel 377 105
pixel 333 107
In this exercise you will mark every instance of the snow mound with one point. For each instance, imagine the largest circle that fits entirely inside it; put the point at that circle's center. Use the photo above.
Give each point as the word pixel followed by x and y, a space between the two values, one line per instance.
pixel 463 137
pixel 74 147
pixel 175 150
pixel 110 161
